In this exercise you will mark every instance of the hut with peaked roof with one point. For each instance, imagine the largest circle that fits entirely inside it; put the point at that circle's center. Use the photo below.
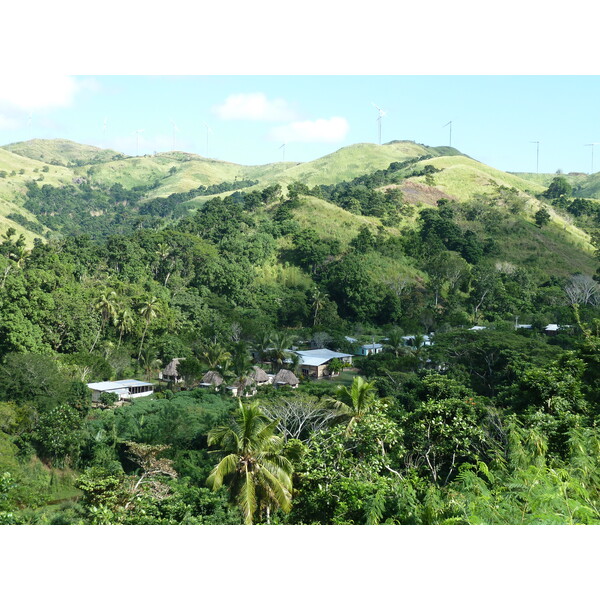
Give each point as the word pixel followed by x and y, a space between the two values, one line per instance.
pixel 211 379
pixel 285 377
pixel 169 374
pixel 245 387
pixel 260 377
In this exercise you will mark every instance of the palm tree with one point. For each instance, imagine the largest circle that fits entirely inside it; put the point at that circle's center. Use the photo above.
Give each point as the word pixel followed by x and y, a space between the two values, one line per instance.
pixel 241 364
pixel 395 341
pixel 19 255
pixel 212 355
pixel 261 344
pixel 318 301
pixel 149 310
pixel 281 342
pixel 123 320
pixel 258 476
pixel 418 348
pixel 355 402
pixel 149 362
pixel 107 306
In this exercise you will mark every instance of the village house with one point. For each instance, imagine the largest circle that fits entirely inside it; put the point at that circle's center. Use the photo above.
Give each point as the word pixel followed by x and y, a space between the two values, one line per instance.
pixel 315 363
pixel 409 340
pixel 368 349
pixel 285 377
pixel 247 386
pixel 211 379
pixel 169 374
pixel 125 389
pixel 242 387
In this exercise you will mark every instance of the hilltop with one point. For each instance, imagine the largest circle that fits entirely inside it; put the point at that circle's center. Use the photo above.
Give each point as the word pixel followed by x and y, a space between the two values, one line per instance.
pixel 63 153
pixel 185 179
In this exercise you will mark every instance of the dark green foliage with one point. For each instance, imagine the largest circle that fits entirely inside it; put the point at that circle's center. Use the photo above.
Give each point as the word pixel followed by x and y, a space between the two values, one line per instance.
pixel 542 217
pixel 559 187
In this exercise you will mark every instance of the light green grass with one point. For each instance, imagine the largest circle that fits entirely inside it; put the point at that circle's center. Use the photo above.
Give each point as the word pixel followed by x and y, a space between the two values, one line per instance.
pixel 61 151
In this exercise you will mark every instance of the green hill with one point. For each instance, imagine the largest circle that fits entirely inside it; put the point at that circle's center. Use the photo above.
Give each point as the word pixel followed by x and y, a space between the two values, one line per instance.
pixel 62 152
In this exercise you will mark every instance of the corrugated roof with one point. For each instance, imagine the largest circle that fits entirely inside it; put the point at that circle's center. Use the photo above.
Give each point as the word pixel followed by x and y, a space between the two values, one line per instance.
pixel 112 386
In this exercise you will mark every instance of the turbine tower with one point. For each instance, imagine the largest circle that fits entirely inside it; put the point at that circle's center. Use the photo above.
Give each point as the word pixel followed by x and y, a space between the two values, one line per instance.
pixel 208 129
pixel 104 129
pixel 592 145
pixel 282 147
pixel 537 162
pixel 446 125
pixel 137 140
pixel 382 114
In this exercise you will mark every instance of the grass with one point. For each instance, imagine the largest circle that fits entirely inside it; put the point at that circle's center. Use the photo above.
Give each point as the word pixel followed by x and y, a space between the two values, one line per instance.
pixel 61 151
pixel 464 177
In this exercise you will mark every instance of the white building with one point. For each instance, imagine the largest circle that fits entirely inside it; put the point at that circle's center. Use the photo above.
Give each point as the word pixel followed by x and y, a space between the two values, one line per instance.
pixel 368 349
pixel 125 389
pixel 314 363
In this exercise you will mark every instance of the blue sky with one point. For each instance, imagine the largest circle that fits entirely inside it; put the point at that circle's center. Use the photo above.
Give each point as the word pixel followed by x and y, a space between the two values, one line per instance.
pixel 494 118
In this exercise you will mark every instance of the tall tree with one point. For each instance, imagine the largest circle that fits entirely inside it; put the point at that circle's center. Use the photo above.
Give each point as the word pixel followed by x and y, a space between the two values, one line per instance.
pixel 356 401
pixel 149 310
pixel 258 476
pixel 107 306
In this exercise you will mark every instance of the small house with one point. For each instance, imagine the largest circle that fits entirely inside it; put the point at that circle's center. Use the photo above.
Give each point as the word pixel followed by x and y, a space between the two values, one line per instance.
pixel 245 387
pixel 409 340
pixel 169 374
pixel 368 349
pixel 285 377
pixel 125 389
pixel 551 329
pixel 211 379
pixel 315 363
pixel 261 377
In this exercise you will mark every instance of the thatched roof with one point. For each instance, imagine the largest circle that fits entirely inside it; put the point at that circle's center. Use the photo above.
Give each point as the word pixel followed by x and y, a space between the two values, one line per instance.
pixel 171 369
pixel 259 375
pixel 286 377
pixel 245 383
pixel 212 378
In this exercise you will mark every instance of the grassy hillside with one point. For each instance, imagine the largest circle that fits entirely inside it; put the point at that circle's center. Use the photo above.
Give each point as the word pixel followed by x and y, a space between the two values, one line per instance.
pixel 464 177
pixel 584 186
pixel 12 186
pixel 352 161
pixel 62 152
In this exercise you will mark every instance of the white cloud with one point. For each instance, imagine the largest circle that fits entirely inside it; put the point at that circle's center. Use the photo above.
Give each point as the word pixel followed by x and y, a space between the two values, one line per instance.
pixel 254 107
pixel 37 91
pixel 21 95
pixel 334 129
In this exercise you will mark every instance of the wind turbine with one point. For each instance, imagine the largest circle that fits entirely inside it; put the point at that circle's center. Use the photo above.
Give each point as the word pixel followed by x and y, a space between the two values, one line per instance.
pixel 446 125
pixel 104 129
pixel 29 121
pixel 208 129
pixel 175 128
pixel 537 163
pixel 382 114
pixel 592 145
pixel 137 140
pixel 282 147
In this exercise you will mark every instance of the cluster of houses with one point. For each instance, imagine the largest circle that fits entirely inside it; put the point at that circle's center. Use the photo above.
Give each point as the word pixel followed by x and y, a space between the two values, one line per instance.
pixel 313 363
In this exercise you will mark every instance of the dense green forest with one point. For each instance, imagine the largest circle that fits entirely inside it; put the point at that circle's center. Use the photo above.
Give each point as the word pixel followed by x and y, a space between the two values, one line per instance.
pixel 494 422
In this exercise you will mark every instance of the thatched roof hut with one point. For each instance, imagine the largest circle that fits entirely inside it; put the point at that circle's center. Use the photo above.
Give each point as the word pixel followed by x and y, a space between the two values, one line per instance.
pixel 171 369
pixel 259 376
pixel 212 378
pixel 285 377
